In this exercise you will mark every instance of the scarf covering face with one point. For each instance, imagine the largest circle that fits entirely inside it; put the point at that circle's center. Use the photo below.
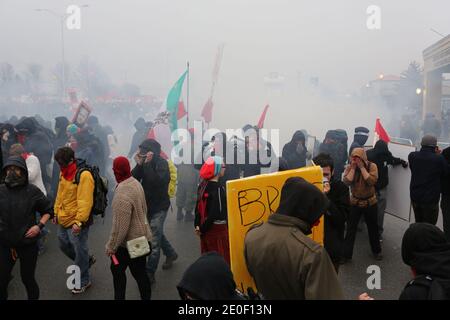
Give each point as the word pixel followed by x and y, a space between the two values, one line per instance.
pixel 211 167
pixel 121 169
pixel 12 180
pixel 69 172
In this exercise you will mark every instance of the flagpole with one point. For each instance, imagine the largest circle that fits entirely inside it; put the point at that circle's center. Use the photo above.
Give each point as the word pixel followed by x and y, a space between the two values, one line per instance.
pixel 187 98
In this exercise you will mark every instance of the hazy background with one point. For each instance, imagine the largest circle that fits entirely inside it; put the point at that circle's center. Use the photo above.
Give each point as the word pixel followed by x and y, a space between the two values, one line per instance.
pixel 149 42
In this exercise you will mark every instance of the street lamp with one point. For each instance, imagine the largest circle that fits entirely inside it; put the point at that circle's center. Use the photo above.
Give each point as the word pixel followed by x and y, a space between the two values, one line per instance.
pixel 62 18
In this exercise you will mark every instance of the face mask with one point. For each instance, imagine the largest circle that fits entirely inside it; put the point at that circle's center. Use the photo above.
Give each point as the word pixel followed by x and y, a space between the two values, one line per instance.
pixel 12 180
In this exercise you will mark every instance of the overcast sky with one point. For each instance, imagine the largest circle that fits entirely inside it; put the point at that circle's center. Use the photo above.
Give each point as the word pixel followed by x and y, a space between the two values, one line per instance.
pixel 148 42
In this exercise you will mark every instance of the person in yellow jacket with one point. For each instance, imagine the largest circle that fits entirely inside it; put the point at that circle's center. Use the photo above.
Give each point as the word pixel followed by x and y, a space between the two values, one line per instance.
pixel 72 209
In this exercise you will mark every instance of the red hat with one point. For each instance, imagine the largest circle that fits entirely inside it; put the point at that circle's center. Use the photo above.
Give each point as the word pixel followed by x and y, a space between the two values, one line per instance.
pixel 207 170
pixel 121 168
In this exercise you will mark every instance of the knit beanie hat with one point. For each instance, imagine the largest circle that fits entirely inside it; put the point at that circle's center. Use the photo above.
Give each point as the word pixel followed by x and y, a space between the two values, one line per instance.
pixel 121 169
pixel 211 167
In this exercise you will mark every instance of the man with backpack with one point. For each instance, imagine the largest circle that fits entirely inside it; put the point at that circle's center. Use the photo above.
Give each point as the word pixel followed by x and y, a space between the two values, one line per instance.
pixel 73 206
pixel 426 250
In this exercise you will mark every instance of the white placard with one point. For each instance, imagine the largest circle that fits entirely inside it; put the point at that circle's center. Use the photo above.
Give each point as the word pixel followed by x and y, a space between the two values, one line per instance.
pixel 398 198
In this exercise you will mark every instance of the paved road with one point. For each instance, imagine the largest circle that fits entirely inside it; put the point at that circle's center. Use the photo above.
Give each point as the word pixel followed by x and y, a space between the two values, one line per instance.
pixel 51 270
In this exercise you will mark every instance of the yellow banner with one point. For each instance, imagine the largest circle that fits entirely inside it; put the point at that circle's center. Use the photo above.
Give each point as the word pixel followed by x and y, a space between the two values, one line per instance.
pixel 252 200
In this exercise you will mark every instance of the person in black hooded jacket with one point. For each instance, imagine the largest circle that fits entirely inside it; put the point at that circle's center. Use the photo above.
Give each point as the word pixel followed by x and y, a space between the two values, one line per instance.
pixel 428 169
pixel 338 210
pixel 153 173
pixel 295 151
pixel 382 157
pixel 38 143
pixel 19 233
pixel 445 200
pixel 208 278
pixel 333 147
pixel 426 250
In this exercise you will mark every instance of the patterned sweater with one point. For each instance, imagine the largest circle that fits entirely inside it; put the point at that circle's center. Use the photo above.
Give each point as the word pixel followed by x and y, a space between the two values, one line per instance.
pixel 129 214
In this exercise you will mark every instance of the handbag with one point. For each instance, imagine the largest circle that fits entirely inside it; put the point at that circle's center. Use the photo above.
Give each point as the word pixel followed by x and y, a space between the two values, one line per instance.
pixel 138 247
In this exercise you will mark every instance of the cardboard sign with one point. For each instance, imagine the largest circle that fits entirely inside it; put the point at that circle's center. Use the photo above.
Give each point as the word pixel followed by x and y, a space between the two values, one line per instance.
pixel 251 201
pixel 81 114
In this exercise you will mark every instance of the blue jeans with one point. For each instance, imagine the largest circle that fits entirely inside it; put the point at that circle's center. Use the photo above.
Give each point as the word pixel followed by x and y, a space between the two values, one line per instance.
pixel 159 241
pixel 75 247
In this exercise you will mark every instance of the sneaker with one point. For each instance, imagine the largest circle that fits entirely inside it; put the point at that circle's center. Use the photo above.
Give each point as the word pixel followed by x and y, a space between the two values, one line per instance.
pixel 92 261
pixel 82 289
pixel 169 262
pixel 378 256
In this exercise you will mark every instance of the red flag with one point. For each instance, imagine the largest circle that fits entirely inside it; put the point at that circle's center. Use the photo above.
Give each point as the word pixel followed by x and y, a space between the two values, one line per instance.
pixel 207 111
pixel 181 110
pixel 379 130
pixel 263 117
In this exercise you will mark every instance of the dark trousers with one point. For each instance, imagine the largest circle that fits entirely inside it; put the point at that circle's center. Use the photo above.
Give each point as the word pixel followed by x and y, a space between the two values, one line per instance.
pixel 445 207
pixel 427 213
pixel 371 217
pixel 137 268
pixel 28 258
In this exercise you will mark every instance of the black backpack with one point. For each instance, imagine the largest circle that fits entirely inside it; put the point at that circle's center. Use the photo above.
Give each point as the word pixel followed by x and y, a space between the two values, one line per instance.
pixel 100 189
pixel 438 289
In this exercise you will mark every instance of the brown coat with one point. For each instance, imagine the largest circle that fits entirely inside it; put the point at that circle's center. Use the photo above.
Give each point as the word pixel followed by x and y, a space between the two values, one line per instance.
pixel 362 189
pixel 286 264
pixel 129 214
